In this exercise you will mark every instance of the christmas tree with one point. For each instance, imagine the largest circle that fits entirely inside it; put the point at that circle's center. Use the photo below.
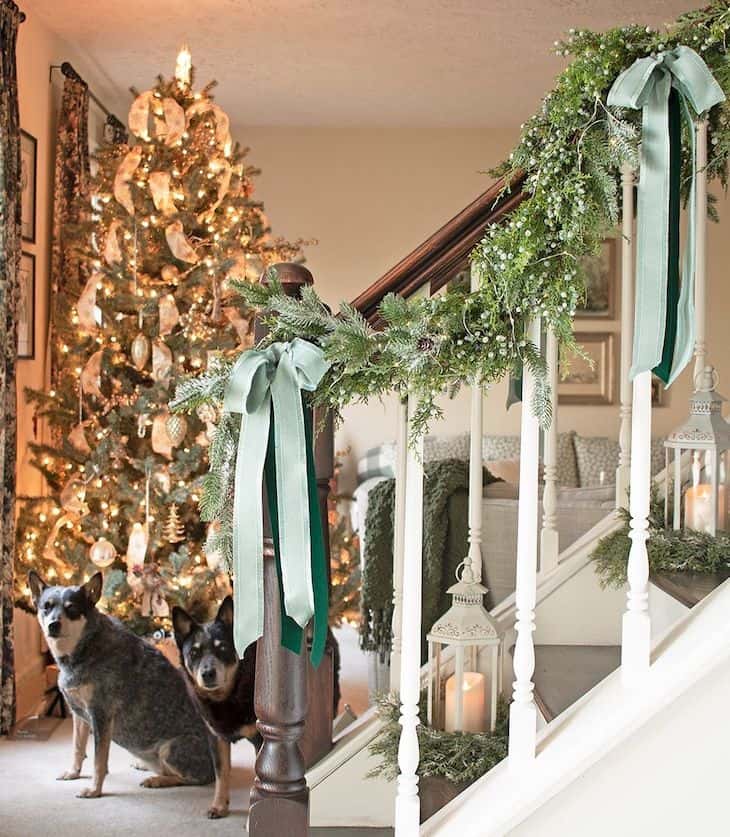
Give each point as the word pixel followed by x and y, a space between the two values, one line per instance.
pixel 172 221
pixel 344 556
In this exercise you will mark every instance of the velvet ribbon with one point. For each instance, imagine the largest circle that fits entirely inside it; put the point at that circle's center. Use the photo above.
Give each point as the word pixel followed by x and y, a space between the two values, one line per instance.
pixel 276 439
pixel 664 86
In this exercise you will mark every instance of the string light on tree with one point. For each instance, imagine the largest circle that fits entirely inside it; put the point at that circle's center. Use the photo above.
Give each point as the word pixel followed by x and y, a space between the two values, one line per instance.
pixel 171 222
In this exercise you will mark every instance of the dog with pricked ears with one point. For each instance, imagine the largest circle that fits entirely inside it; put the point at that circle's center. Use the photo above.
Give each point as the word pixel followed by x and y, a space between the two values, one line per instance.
pixel 120 688
pixel 223 687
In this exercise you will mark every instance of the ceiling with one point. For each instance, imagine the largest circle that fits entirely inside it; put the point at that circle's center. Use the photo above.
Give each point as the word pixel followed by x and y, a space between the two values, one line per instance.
pixel 343 62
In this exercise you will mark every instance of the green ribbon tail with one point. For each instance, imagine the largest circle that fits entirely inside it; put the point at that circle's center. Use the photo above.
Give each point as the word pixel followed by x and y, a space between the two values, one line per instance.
pixel 320 585
pixel 664 368
pixel 291 633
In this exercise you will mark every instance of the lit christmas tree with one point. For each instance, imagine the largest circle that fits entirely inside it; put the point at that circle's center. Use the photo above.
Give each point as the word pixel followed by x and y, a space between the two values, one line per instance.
pixel 172 222
pixel 344 557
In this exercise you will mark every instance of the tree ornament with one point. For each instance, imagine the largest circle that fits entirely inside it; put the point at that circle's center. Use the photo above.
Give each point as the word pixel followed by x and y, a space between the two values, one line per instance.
pixel 161 361
pixel 139 115
pixel 73 495
pixel 86 306
pixel 222 122
pixel 174 120
pixel 169 314
pixel 159 438
pixel 112 250
pixel 170 274
pixel 159 182
pixel 90 377
pixel 142 420
pixel 102 553
pixel 174 529
pixel 178 243
pixel 78 441
pixel 136 547
pixel 125 173
pixel 176 427
pixel 140 351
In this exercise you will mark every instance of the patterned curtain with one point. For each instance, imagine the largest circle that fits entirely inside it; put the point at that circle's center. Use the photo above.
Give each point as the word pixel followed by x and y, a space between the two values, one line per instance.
pixel 10 18
pixel 71 181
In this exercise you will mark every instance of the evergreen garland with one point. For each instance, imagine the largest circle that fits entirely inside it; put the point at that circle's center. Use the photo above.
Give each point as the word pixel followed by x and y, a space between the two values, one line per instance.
pixel 568 158
pixel 456 756
pixel 670 550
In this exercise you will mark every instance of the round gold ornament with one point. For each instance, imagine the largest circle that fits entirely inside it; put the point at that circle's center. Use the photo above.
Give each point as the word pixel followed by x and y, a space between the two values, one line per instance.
pixel 176 427
pixel 102 553
pixel 140 351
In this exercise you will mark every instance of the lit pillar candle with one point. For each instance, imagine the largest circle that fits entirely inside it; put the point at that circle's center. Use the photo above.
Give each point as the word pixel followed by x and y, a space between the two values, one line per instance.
pixel 698 508
pixel 474 692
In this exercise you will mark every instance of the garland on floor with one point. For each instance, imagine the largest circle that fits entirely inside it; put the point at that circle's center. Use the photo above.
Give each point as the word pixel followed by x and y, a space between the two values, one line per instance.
pixel 460 757
pixel 670 550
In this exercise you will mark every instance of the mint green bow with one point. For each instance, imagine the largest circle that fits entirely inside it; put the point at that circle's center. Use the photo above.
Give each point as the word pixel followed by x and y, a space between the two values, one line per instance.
pixel 662 86
pixel 267 385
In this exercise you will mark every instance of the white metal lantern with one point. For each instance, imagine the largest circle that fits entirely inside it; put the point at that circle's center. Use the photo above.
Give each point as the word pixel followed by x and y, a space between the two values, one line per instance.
pixel 706 435
pixel 467 701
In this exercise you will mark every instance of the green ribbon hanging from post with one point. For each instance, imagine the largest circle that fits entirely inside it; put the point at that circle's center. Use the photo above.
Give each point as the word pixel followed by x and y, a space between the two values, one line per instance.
pixel 663 86
pixel 276 436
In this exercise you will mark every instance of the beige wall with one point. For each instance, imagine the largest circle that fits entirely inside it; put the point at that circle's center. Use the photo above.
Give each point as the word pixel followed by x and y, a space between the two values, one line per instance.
pixel 371 195
pixel 38 48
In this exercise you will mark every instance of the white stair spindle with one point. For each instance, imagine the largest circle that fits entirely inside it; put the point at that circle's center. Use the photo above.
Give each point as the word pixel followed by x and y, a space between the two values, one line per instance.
pixel 407 805
pixel 701 250
pixel 399 524
pixel 636 634
pixel 523 712
pixel 623 472
pixel 476 429
pixel 549 540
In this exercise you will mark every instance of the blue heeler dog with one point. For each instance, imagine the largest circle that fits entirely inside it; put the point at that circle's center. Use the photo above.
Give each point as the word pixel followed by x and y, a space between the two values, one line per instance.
pixel 121 689
pixel 222 687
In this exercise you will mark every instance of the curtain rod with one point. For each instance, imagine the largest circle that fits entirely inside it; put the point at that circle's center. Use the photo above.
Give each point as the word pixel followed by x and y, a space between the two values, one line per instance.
pixel 67 69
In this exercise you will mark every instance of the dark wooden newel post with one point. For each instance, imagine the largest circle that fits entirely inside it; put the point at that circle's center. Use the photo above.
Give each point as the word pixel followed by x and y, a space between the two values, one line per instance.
pixel 280 798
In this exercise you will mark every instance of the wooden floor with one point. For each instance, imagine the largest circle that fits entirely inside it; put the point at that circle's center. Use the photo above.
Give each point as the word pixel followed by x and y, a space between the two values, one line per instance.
pixel 564 673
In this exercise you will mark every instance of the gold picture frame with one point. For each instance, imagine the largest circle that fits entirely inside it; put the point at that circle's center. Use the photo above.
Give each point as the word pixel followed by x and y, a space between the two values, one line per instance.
pixel 590 379
pixel 602 282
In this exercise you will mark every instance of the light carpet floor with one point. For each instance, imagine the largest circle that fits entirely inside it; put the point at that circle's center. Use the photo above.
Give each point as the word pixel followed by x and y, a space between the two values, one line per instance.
pixel 34 804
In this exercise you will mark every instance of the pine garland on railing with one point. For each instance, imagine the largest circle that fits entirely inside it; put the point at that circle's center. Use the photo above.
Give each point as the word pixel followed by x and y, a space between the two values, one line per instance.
pixel 531 264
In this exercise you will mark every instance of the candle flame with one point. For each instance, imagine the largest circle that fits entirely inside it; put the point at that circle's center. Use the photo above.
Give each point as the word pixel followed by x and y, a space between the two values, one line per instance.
pixel 183 66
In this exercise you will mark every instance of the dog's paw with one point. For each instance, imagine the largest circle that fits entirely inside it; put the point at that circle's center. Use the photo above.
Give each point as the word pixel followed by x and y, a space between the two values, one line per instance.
pixel 68 775
pixel 89 793
pixel 217 812
pixel 155 782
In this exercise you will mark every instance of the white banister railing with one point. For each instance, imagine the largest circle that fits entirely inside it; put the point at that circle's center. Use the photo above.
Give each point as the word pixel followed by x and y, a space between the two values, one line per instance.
pixel 701 250
pixel 549 539
pixel 523 712
pixel 623 472
pixel 399 529
pixel 407 805
pixel 636 635
pixel 476 428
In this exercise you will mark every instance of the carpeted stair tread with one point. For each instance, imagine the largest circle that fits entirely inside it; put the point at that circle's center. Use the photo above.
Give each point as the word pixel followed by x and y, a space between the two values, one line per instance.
pixel 564 673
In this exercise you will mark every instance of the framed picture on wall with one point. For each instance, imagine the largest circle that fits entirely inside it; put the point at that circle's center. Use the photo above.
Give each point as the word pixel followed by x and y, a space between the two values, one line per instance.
pixel 28 178
pixel 590 379
pixel 601 273
pixel 26 306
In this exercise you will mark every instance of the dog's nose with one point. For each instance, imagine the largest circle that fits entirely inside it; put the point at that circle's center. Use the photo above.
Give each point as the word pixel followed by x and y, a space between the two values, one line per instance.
pixel 208 676
pixel 54 628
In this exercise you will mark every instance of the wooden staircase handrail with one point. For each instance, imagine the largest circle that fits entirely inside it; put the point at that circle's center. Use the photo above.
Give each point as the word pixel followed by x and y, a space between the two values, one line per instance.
pixel 442 254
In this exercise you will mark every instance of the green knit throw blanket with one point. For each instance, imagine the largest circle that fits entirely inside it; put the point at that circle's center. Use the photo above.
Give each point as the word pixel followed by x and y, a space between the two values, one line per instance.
pixel 445 544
